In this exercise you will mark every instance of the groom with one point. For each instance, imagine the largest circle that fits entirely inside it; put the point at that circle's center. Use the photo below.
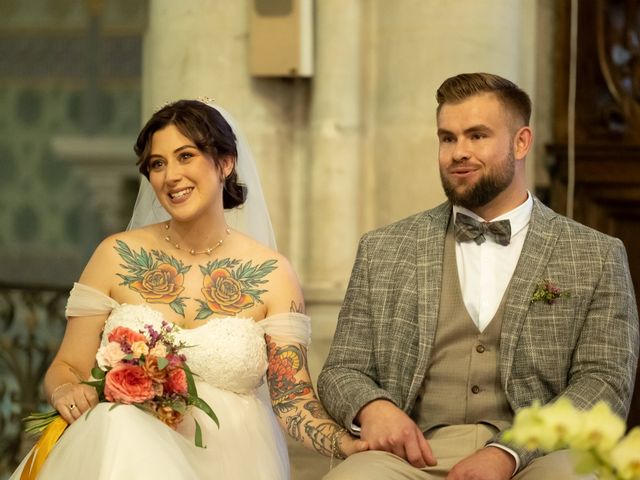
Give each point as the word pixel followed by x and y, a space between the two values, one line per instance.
pixel 450 323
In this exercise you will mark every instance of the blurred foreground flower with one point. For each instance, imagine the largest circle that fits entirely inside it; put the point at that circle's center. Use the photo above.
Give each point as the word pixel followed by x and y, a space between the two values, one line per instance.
pixel 595 437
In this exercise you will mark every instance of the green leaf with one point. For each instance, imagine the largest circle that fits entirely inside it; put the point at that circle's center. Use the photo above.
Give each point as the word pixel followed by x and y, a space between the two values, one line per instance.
pixel 253 274
pixel 98 373
pixel 124 251
pixel 37 422
pixel 162 363
pixel 93 383
pixel 178 305
pixel 179 406
pixel 165 258
pixel 203 313
pixel 126 279
pixel 146 260
pixel 255 294
pixel 198 435
pixel 204 406
pixel 191 384
pixel 226 263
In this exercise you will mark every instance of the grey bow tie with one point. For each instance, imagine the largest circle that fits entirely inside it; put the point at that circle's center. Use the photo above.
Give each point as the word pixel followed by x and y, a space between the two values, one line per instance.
pixel 467 229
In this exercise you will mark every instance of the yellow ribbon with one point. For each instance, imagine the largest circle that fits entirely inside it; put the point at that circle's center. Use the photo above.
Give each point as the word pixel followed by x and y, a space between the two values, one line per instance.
pixel 41 449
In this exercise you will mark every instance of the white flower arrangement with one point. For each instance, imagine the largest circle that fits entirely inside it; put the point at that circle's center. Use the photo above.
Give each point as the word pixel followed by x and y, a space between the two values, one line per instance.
pixel 595 437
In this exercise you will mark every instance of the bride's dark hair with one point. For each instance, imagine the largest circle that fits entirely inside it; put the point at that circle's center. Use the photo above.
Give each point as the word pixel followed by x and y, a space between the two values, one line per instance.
pixel 210 132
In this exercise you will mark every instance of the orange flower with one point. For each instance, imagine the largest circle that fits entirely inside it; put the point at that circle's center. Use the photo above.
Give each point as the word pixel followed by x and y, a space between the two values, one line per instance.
pixel 126 383
pixel 150 367
pixel 161 285
pixel 126 336
pixel 168 415
pixel 224 293
pixel 177 381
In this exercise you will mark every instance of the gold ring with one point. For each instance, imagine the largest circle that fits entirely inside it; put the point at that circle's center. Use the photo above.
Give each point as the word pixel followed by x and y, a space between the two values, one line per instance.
pixel 72 406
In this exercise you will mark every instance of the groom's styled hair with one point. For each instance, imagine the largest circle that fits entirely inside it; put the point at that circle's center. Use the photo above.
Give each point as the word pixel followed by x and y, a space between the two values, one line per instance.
pixel 458 88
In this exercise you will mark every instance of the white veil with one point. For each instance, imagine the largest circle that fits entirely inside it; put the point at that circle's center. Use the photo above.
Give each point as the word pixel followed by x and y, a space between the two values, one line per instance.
pixel 251 218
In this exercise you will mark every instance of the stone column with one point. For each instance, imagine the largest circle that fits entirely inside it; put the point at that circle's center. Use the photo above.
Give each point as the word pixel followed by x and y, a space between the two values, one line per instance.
pixel 417 47
pixel 335 148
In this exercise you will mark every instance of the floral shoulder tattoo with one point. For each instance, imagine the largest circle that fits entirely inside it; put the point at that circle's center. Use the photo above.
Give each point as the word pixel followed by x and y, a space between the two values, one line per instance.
pixel 156 276
pixel 230 286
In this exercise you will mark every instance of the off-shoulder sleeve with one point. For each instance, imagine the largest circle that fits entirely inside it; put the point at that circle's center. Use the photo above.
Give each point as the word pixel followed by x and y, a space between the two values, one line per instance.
pixel 85 301
pixel 288 327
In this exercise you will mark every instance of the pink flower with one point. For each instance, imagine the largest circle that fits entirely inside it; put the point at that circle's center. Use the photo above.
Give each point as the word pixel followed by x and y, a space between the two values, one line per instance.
pixel 175 360
pixel 126 335
pixel 547 292
pixel 109 355
pixel 177 381
pixel 126 383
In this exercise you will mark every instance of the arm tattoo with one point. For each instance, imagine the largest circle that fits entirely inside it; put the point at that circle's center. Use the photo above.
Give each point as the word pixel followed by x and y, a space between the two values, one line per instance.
pixel 321 436
pixel 284 364
pixel 287 395
pixel 296 307
pixel 294 426
pixel 230 286
pixel 316 409
pixel 157 277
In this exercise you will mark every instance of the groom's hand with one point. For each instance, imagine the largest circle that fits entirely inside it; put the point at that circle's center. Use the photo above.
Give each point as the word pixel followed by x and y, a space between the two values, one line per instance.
pixel 488 463
pixel 386 427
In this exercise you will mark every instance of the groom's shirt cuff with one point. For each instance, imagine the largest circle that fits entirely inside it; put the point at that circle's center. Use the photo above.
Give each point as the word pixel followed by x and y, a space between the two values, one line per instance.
pixel 509 451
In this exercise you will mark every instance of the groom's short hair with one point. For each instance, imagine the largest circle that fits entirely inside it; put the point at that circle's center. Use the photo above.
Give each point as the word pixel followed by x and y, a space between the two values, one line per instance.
pixel 460 87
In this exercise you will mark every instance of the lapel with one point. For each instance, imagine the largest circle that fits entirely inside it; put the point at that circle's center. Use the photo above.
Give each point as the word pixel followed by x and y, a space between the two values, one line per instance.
pixel 429 256
pixel 542 236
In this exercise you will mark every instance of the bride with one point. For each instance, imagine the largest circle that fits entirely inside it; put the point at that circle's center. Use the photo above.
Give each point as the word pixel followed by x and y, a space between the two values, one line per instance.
pixel 199 254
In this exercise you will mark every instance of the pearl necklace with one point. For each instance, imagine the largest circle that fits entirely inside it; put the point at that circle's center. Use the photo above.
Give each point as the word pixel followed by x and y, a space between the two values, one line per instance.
pixel 193 251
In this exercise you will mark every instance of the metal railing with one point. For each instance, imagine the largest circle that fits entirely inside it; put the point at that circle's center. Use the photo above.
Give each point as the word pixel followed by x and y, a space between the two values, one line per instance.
pixel 32 324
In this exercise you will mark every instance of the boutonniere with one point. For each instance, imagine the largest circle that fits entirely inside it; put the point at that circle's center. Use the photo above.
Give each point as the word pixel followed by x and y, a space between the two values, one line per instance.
pixel 547 292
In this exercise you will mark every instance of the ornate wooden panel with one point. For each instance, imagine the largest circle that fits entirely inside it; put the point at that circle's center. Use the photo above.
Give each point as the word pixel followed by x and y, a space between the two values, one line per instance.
pixel 607 127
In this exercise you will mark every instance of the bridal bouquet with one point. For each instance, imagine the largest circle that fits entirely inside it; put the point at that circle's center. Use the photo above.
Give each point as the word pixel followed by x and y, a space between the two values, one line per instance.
pixel 595 437
pixel 144 368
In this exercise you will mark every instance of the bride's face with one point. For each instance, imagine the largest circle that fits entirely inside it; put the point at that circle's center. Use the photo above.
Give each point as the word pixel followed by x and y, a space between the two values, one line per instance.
pixel 186 181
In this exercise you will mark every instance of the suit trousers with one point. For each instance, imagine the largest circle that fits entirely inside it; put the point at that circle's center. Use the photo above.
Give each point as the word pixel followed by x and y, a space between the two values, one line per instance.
pixel 449 445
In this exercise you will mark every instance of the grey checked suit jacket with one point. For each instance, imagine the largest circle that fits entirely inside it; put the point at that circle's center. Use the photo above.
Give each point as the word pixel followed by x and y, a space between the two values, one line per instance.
pixel 584 347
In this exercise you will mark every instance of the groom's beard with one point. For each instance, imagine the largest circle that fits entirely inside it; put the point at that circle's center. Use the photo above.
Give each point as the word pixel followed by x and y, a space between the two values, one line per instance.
pixel 489 186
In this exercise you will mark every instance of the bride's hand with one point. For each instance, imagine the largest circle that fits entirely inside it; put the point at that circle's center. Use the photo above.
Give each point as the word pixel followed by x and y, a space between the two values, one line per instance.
pixel 347 444
pixel 71 400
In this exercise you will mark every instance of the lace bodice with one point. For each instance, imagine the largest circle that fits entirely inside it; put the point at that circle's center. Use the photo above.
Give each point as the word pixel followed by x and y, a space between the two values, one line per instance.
pixel 228 353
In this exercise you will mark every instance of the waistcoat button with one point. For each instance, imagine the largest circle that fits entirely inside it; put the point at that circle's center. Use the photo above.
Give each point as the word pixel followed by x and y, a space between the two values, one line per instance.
pixel 480 348
pixel 475 389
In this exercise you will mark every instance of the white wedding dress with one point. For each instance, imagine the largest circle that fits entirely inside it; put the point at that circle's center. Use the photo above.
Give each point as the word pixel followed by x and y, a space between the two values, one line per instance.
pixel 229 357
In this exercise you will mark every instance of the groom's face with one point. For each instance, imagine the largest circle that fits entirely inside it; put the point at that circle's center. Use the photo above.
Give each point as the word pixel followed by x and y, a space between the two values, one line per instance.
pixel 476 150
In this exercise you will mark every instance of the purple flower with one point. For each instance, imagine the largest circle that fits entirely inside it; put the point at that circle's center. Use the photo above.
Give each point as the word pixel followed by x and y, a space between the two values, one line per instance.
pixel 547 292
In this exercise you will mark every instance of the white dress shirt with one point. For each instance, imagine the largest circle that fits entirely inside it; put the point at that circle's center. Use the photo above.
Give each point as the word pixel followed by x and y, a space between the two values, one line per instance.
pixel 485 270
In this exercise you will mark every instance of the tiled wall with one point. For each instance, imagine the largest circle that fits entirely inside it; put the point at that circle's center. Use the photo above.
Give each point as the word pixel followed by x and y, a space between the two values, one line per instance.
pixel 62 72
